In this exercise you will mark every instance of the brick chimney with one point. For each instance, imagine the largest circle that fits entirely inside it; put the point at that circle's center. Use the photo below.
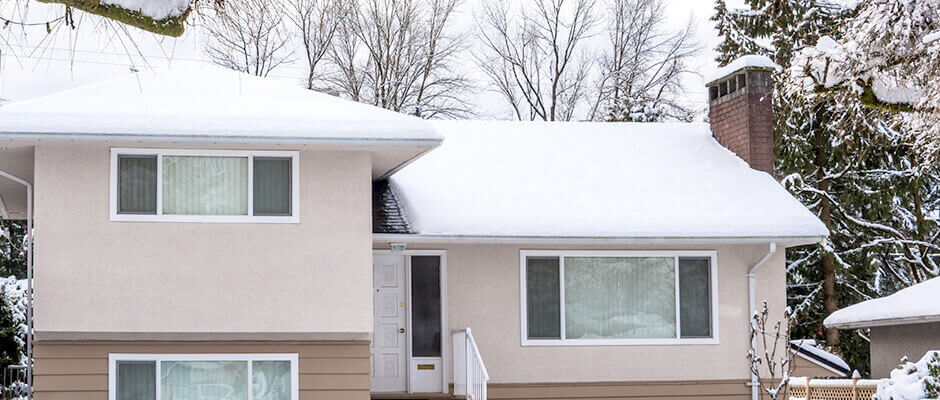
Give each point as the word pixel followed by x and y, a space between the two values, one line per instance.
pixel 740 110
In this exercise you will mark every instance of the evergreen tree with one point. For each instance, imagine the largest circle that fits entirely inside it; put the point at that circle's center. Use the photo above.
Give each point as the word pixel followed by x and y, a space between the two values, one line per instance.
pixel 849 163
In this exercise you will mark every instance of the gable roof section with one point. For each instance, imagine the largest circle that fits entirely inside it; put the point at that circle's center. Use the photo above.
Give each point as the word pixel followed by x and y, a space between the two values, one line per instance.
pixel 193 101
pixel 593 180
pixel 916 304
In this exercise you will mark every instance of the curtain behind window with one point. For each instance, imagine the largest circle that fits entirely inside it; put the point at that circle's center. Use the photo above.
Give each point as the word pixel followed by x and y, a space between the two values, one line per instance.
pixel 199 185
pixel 204 380
pixel 270 380
pixel 620 297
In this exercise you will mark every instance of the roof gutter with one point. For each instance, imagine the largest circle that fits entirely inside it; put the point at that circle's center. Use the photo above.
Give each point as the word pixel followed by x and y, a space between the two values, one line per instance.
pixel 752 307
pixel 922 319
pixel 492 239
pixel 223 139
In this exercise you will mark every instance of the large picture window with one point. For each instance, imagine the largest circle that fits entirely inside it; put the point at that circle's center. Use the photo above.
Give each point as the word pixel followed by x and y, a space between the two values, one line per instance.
pixel 607 297
pixel 203 376
pixel 204 185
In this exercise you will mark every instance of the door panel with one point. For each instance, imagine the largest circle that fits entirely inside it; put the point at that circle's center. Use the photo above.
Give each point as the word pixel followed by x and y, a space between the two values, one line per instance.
pixel 388 348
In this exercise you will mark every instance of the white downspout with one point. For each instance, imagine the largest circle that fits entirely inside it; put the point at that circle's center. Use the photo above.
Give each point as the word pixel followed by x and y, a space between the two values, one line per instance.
pixel 29 279
pixel 752 308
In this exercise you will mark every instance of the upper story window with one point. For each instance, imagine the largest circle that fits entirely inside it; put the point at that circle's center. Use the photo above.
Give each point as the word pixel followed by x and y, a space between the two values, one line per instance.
pixel 618 298
pixel 204 185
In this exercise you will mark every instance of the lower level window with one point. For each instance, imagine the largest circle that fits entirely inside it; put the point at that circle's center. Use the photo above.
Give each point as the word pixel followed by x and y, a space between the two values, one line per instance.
pixel 618 297
pixel 204 377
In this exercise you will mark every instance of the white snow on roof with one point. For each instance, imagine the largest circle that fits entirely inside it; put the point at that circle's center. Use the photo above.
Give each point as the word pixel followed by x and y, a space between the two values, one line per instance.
pixel 749 61
pixel 193 101
pixel 908 305
pixel 809 346
pixel 156 9
pixel 536 179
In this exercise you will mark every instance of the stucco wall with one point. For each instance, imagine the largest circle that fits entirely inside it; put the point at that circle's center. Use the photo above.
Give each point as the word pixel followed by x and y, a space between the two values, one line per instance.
pixel 890 343
pixel 483 294
pixel 94 275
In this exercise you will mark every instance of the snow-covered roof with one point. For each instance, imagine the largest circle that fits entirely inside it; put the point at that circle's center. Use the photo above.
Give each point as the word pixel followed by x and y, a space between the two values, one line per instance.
pixel 807 349
pixel 748 61
pixel 195 101
pixel 915 304
pixel 593 180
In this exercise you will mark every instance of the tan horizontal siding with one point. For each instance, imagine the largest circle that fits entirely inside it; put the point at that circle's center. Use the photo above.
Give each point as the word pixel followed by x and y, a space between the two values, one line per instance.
pixel 79 370
pixel 725 389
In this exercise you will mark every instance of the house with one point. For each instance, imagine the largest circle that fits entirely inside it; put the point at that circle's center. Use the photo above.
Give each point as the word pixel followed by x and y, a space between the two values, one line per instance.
pixel 200 232
pixel 904 324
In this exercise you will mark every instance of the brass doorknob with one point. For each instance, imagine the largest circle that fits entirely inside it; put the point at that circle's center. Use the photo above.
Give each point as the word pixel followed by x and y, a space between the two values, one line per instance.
pixel 401 330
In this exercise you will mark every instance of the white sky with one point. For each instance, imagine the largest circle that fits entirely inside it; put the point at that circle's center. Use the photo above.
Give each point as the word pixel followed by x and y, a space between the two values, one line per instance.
pixel 67 59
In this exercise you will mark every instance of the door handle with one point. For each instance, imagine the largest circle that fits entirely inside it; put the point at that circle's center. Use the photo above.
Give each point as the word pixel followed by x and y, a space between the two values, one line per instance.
pixel 401 330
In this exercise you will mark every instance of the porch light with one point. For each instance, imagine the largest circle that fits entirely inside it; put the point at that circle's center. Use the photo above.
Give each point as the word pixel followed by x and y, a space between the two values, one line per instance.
pixel 397 247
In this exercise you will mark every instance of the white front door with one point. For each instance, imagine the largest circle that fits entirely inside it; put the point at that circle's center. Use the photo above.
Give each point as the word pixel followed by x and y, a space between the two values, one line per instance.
pixel 388 350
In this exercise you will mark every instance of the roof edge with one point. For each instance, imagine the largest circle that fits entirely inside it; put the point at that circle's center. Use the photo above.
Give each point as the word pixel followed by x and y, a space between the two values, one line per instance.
pixel 429 142
pixel 868 323
pixel 429 238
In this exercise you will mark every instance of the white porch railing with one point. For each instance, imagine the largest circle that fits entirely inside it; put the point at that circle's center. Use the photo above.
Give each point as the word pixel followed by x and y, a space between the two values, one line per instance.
pixel 470 375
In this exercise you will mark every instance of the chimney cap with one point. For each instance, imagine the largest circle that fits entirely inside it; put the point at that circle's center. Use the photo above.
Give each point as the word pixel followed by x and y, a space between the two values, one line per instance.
pixel 745 62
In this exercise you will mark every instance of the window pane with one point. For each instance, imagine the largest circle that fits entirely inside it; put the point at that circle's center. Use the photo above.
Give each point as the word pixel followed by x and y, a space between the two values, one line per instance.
pixel 426 306
pixel 136 380
pixel 137 184
pixel 204 380
pixel 620 297
pixel 695 297
pixel 271 181
pixel 205 185
pixel 543 307
pixel 270 380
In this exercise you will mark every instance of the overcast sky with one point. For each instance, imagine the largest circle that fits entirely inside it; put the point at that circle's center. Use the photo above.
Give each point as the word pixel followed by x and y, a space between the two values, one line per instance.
pixel 67 59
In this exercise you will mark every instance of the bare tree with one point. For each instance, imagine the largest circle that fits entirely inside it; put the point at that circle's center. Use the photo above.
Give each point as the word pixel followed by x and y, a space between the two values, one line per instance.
pixel 316 23
pixel 248 36
pixel 766 342
pixel 400 55
pixel 643 64
pixel 533 55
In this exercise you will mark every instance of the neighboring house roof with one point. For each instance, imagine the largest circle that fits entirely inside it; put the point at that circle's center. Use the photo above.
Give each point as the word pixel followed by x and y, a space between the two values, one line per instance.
pixel 198 102
pixel 593 180
pixel 806 348
pixel 916 304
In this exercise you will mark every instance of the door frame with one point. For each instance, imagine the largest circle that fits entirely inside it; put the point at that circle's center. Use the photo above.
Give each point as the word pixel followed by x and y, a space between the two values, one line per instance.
pixel 445 334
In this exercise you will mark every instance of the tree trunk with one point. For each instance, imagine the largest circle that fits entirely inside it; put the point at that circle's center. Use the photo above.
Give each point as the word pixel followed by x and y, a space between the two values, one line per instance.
pixel 830 300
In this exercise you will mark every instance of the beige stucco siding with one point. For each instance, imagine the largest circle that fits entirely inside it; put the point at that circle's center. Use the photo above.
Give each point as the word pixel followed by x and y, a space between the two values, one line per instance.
pixel 483 293
pixel 94 275
pixel 79 370
pixel 890 343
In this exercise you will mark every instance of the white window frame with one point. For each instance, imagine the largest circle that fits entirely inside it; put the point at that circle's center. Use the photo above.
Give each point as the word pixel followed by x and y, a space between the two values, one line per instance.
pixel 294 217
pixel 113 359
pixel 561 254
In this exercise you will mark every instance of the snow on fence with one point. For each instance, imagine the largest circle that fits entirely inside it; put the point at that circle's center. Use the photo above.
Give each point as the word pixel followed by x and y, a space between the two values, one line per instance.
pixel 832 389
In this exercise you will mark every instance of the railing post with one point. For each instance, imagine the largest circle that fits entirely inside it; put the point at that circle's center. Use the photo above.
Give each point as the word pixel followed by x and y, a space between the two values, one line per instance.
pixel 469 352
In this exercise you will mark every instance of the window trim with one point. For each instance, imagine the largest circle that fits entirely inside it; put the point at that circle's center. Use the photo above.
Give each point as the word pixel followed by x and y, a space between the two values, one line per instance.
pixel 713 283
pixel 250 218
pixel 114 358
